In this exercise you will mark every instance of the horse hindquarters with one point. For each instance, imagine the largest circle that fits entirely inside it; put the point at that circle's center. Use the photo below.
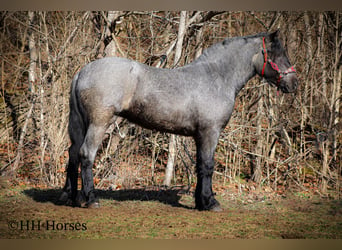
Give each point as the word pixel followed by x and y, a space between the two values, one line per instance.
pixel 85 135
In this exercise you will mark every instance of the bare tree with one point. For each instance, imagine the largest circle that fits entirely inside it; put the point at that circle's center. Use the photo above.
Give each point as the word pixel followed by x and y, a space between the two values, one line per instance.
pixel 32 79
pixel 172 142
pixel 257 171
pixel 288 138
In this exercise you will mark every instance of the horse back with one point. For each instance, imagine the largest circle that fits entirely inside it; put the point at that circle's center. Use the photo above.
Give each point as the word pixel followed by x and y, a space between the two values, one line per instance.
pixel 174 101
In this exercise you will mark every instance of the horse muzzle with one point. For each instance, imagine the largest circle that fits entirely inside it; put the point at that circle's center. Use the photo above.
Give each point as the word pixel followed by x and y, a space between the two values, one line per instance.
pixel 288 83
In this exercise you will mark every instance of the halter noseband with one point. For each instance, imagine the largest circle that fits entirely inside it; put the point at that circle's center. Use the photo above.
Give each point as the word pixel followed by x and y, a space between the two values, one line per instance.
pixel 273 64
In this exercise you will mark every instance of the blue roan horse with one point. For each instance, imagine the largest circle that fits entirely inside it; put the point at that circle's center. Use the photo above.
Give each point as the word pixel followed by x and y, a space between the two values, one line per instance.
pixel 195 100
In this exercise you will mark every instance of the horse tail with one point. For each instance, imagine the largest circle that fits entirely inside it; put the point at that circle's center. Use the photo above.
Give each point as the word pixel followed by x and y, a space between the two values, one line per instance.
pixel 77 135
pixel 77 125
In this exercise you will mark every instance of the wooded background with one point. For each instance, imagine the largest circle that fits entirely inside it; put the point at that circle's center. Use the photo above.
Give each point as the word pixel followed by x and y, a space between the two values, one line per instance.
pixel 283 142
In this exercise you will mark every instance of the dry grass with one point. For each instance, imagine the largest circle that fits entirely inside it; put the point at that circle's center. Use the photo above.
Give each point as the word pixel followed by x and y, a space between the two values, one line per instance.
pixel 155 213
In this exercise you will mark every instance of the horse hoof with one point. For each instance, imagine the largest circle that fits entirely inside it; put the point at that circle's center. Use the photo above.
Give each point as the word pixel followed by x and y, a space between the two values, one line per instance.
pixel 63 198
pixel 82 204
pixel 216 209
pixel 80 200
pixel 70 203
pixel 93 205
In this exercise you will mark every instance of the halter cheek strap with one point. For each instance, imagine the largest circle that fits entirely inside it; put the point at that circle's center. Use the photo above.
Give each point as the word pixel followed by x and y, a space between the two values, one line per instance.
pixel 265 56
pixel 273 64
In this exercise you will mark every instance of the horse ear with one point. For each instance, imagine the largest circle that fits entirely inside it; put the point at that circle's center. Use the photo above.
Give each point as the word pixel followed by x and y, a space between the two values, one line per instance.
pixel 274 35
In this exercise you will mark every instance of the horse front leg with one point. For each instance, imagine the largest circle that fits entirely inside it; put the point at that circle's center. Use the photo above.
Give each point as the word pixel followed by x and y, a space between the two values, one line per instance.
pixel 206 142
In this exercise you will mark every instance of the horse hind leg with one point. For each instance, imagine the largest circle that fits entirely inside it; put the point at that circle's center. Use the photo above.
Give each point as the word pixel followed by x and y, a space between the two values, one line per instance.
pixel 88 152
pixel 85 143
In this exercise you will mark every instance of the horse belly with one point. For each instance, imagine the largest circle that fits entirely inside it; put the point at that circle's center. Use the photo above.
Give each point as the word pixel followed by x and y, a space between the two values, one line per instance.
pixel 157 117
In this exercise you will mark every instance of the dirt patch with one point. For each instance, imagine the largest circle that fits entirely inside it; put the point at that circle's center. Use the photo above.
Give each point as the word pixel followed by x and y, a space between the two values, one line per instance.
pixel 157 213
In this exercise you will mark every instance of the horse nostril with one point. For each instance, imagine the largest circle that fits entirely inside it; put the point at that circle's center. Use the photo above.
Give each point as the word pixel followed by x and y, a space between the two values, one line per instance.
pixel 295 83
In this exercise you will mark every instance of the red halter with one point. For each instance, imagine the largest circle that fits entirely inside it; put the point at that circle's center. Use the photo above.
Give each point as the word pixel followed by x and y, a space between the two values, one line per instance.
pixel 273 64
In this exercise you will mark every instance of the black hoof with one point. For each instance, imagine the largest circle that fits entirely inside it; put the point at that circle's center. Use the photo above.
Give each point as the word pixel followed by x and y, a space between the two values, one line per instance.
pixel 64 199
pixel 70 203
pixel 214 206
pixel 81 200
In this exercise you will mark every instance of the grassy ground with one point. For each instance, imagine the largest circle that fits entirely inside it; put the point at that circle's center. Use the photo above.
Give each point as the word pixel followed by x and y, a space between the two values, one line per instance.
pixel 155 213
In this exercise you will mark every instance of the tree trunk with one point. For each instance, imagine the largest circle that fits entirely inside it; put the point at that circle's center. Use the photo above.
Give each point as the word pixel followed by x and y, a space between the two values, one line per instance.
pixel 170 161
pixel 172 142
pixel 257 171
pixel 309 58
pixel 336 99
pixel 199 43
pixel 108 46
pixel 32 78
pixel 325 166
pixel 111 48
pixel 180 37
pixel 306 85
pixel 334 107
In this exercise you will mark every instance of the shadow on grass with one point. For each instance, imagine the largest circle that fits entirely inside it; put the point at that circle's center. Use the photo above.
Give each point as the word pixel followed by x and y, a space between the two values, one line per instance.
pixel 163 195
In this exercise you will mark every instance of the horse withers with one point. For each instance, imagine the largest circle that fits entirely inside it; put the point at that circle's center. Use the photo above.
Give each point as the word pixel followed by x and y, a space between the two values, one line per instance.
pixel 195 100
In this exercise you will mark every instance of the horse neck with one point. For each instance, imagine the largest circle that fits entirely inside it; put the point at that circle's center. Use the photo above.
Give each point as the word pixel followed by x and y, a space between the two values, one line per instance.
pixel 233 62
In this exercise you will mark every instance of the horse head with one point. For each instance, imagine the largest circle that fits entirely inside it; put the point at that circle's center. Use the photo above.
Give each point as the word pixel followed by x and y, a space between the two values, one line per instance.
pixel 274 65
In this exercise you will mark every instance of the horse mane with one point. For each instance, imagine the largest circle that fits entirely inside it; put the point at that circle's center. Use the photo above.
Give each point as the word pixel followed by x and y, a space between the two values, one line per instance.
pixel 229 40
